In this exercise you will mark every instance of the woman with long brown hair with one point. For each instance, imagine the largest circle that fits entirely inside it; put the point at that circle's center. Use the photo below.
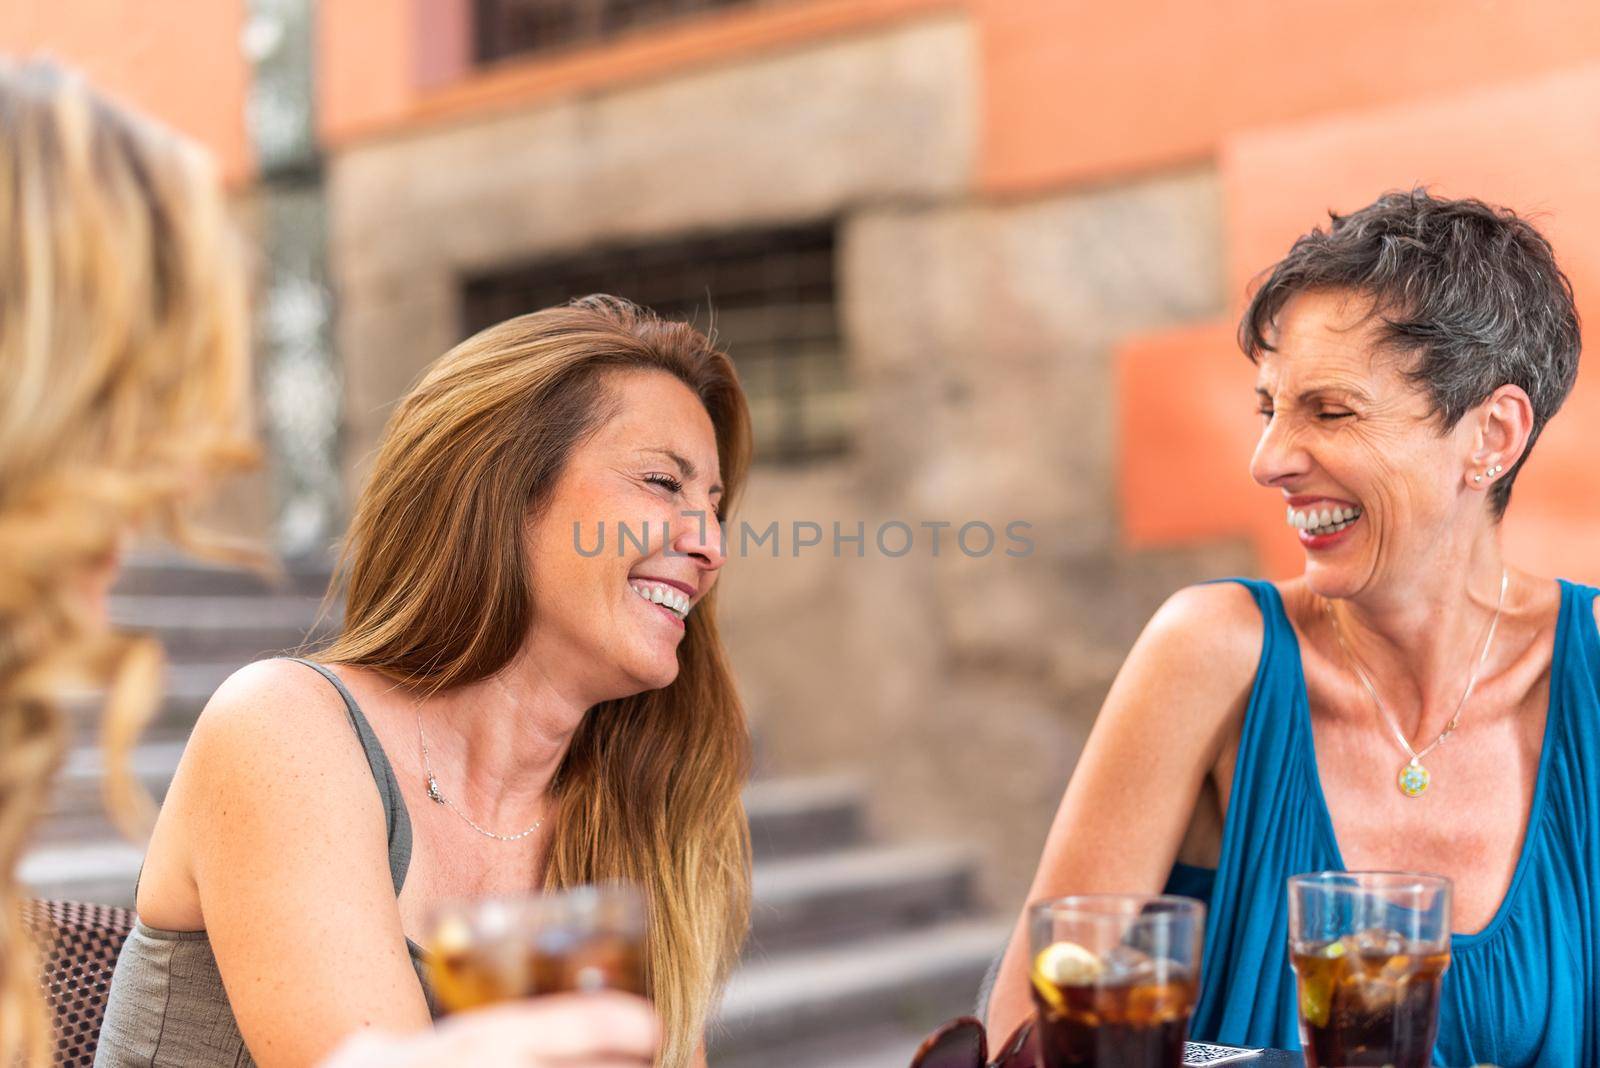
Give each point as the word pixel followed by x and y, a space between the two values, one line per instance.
pixel 541 698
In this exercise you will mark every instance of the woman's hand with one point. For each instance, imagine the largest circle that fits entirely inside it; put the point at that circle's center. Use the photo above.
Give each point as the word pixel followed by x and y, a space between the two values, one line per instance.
pixel 571 1030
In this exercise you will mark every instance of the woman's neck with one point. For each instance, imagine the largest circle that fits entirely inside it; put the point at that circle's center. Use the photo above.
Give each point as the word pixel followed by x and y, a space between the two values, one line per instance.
pixel 497 743
pixel 1421 641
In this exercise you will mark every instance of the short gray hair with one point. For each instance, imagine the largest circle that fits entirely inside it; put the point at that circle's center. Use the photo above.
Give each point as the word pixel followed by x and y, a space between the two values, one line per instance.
pixel 1472 289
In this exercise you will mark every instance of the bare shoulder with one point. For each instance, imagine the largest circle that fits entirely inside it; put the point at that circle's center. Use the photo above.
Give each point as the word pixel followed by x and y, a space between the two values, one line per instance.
pixel 274 722
pixel 1215 627
pixel 1193 666
pixel 273 703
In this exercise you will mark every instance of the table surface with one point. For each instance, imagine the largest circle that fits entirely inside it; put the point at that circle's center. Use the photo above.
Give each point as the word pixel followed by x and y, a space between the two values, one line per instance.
pixel 1267 1058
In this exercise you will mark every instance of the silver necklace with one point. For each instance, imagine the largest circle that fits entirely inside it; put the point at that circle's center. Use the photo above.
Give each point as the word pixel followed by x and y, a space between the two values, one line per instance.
pixel 1414 778
pixel 435 795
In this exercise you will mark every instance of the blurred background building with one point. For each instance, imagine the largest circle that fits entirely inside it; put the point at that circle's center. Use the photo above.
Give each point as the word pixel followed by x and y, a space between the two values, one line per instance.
pixel 977 260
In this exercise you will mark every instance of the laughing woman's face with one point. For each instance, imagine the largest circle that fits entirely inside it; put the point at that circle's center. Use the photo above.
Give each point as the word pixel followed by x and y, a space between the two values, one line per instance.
pixel 1372 487
pixel 646 488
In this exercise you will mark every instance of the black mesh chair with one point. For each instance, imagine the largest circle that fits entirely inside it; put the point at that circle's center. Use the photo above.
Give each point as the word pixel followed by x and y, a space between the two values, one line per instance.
pixel 78 946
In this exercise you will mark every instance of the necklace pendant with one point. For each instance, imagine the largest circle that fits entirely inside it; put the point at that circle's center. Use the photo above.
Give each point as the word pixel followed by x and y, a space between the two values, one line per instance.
pixel 1414 779
pixel 433 790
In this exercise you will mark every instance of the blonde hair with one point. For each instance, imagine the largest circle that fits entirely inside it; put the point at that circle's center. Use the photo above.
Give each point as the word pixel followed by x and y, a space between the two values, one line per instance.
pixel 438 593
pixel 123 374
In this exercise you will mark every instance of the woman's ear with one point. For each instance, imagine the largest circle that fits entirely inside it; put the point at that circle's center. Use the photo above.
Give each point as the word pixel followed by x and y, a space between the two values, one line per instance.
pixel 1504 427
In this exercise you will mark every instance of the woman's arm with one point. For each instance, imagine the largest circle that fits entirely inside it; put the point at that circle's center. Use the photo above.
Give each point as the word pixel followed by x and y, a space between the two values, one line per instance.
pixel 565 1031
pixel 1157 738
pixel 290 859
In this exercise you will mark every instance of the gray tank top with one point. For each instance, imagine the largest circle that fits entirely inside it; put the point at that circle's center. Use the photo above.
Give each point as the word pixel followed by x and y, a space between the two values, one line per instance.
pixel 167 1008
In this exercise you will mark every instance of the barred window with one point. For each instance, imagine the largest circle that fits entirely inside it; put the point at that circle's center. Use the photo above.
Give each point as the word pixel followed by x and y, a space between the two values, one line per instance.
pixel 769 295
pixel 518 27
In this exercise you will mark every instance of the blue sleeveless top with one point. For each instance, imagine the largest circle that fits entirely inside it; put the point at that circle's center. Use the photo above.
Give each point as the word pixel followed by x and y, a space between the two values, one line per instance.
pixel 1524 991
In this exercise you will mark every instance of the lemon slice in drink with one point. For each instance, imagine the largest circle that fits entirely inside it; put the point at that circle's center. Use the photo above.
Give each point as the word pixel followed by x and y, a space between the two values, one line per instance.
pixel 1063 964
pixel 1316 989
pixel 1316 1000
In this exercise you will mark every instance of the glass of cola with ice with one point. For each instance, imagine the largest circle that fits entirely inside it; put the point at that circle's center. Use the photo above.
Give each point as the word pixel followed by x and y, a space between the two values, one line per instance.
pixel 1114 978
pixel 1369 951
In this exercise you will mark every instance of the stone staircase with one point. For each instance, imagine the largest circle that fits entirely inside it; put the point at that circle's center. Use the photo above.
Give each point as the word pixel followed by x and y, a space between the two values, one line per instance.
pixel 858 948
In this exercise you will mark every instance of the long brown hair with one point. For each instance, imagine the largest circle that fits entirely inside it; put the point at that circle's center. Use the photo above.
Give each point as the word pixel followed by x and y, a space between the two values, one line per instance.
pixel 438 594
pixel 123 375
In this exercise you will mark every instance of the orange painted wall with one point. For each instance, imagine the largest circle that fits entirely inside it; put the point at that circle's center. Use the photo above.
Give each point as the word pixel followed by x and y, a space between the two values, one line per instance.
pixel 367 70
pixel 1186 425
pixel 1080 90
pixel 178 60
pixel 378 76
pixel 1530 145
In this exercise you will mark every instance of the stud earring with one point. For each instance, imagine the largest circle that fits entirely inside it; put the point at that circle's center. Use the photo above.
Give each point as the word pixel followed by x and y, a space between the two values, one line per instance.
pixel 1496 469
pixel 1477 478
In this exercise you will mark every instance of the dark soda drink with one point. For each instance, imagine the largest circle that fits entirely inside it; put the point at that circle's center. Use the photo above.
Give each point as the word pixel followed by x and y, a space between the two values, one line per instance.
pixel 1368 999
pixel 1094 1016
pixel 472 976
pixel 585 939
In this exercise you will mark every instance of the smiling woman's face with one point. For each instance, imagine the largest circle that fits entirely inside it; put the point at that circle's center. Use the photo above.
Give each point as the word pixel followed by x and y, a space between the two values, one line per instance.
pixel 610 623
pixel 1352 446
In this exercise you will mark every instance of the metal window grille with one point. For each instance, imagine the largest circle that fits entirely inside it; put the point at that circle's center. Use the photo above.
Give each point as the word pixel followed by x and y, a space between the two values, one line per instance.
pixel 769 295
pixel 518 27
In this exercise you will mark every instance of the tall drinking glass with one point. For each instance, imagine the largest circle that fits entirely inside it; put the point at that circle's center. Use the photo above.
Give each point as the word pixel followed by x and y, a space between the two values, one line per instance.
pixel 1114 978
pixel 1369 950
pixel 496 949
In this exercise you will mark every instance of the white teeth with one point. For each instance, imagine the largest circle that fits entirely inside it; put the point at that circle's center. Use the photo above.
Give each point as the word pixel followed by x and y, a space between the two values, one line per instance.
pixel 666 596
pixel 1323 521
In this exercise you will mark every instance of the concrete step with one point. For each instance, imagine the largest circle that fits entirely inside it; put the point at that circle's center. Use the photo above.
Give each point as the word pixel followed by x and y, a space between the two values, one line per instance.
pixel 76 813
pixel 101 871
pixel 797 816
pixel 188 686
pixel 808 901
pixel 165 575
pixel 918 978
pixel 238 628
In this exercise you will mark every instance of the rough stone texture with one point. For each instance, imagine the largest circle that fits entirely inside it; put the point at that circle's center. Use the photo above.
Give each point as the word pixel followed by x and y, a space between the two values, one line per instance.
pixel 980 337
pixel 801 135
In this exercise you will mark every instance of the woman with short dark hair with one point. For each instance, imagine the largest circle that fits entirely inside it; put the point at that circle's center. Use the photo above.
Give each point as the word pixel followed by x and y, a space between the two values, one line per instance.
pixel 1410 702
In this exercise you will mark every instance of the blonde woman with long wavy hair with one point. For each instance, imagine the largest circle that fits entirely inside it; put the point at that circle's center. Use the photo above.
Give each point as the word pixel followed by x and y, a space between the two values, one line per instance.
pixel 535 712
pixel 122 377
pixel 123 390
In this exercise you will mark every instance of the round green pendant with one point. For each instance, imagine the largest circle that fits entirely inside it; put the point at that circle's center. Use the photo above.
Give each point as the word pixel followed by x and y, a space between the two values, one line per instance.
pixel 1413 779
